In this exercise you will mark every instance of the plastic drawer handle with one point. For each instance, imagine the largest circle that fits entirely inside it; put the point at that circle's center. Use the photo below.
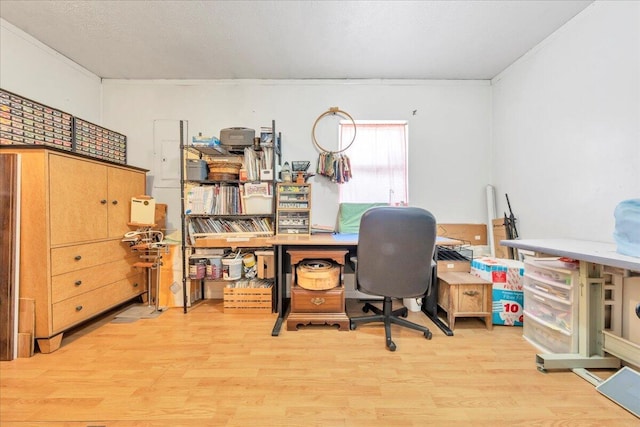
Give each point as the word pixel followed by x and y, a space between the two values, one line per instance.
pixel 77 257
pixel 78 307
pixel 103 202
pixel 78 282
pixel 115 202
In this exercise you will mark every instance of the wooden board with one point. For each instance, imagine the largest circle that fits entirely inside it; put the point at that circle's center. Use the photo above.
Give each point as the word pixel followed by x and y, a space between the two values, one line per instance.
pixel 8 255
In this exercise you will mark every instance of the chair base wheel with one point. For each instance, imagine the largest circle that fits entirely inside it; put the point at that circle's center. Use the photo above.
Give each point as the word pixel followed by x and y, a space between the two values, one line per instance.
pixel 391 345
pixel 428 335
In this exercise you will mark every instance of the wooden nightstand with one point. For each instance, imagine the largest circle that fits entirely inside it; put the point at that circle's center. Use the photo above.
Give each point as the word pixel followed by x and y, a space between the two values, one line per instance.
pixel 317 306
pixel 465 295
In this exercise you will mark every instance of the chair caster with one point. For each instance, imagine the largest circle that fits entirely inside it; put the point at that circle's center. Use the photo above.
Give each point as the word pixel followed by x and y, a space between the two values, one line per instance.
pixel 352 326
pixel 428 335
pixel 404 313
pixel 365 309
pixel 391 345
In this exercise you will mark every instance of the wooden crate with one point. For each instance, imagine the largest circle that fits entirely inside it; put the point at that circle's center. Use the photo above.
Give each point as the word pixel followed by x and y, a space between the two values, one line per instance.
pixel 248 300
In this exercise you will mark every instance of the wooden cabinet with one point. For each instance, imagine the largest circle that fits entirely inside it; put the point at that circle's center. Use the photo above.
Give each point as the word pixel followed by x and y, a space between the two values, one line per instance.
pixel 293 209
pixel 73 214
pixel 465 295
pixel 102 206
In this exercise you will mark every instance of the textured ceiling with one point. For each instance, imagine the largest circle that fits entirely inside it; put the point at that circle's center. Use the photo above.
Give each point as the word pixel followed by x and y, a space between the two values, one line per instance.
pixel 191 39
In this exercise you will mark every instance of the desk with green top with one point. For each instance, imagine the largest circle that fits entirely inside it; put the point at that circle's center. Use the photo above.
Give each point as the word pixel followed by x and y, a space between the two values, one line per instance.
pixel 337 241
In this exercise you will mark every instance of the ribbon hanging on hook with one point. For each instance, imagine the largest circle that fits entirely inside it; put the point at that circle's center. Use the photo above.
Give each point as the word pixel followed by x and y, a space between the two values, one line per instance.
pixel 333 164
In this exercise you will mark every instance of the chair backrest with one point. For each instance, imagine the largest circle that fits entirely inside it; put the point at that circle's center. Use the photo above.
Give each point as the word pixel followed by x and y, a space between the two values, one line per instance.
pixel 395 250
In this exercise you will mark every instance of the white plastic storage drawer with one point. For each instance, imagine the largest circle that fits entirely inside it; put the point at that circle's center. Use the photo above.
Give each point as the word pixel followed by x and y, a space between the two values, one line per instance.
pixel 551 288
pixel 550 309
pixel 546 337
pixel 550 271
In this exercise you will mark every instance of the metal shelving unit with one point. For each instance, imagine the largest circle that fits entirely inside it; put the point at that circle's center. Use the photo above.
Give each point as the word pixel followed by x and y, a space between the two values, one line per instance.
pixel 209 233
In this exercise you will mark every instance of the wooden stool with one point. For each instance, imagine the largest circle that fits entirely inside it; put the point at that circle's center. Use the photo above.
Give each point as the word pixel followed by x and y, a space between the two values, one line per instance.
pixel 465 295
pixel 317 306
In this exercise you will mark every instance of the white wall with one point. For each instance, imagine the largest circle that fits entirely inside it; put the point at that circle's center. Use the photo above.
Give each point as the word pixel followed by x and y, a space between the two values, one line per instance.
pixel 566 126
pixel 449 135
pixel 33 70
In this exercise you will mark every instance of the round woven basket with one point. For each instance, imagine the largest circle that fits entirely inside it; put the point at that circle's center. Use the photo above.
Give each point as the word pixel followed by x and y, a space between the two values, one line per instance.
pixel 318 275
pixel 224 170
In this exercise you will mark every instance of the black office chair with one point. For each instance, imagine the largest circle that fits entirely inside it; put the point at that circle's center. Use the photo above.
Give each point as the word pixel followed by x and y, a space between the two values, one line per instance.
pixel 394 260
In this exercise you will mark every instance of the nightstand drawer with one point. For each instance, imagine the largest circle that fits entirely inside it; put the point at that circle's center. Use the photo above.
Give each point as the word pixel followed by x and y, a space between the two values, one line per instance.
pixel 308 301
pixel 470 298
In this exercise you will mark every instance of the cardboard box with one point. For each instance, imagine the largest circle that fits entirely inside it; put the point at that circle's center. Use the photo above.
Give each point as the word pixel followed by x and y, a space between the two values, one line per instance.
pixel 507 277
pixel 161 216
pixel 500 233
pixel 507 307
pixel 506 272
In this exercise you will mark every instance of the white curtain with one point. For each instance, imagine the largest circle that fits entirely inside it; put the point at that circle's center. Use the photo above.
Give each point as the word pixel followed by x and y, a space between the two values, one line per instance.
pixel 378 158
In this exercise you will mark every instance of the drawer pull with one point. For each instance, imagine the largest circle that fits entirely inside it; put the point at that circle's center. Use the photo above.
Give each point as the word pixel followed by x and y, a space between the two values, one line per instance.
pixel 115 202
pixel 78 282
pixel 135 285
pixel 471 293
pixel 77 257
pixel 78 307
pixel 317 301
pixel 103 201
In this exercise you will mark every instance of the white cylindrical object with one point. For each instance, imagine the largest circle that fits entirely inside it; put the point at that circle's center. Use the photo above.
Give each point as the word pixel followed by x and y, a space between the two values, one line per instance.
pixel 491 215
pixel 412 304
pixel 231 268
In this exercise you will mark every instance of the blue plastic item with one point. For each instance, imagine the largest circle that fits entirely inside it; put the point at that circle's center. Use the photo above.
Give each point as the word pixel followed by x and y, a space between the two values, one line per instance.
pixel 627 232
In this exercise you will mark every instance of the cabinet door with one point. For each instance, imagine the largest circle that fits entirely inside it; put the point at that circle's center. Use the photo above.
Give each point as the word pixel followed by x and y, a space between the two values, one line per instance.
pixel 77 200
pixel 123 185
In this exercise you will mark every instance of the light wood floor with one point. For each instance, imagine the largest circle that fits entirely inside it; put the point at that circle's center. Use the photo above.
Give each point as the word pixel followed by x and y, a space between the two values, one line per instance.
pixel 207 368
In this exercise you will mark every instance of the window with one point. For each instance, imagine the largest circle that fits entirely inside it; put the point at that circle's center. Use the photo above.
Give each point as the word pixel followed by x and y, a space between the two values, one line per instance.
pixel 378 158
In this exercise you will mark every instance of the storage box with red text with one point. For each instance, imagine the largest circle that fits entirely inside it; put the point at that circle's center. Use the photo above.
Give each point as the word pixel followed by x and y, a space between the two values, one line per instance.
pixel 507 278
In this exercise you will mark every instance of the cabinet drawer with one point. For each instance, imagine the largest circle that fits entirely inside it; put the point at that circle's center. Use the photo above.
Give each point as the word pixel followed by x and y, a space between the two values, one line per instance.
pixel 549 309
pixel 308 301
pixel 71 258
pixel 470 298
pixel 548 338
pixel 81 307
pixel 77 282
